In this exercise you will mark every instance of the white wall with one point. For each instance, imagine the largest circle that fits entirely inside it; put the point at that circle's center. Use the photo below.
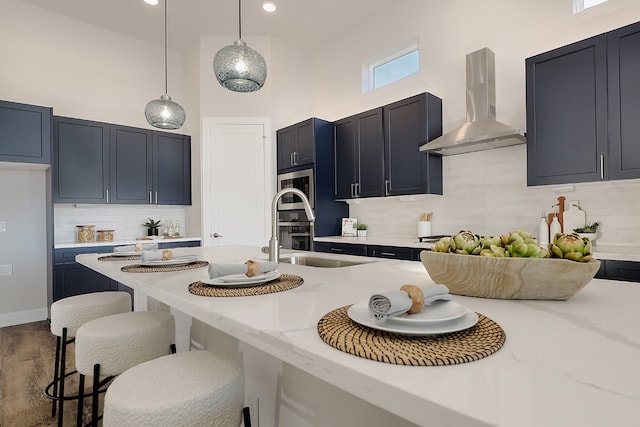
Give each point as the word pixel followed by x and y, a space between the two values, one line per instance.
pixel 23 294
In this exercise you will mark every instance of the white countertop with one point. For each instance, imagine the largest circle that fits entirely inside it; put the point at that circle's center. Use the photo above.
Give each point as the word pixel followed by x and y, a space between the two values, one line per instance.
pixel 564 363
pixel 600 251
pixel 74 244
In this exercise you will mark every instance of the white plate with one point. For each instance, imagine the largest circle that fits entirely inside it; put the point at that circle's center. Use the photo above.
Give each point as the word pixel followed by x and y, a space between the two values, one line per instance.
pixel 126 253
pixel 174 261
pixel 360 313
pixel 437 311
pixel 250 281
pixel 243 278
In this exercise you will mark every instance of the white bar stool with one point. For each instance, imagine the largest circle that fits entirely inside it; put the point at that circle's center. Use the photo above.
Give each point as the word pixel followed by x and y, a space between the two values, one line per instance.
pixel 110 345
pixel 67 315
pixel 194 388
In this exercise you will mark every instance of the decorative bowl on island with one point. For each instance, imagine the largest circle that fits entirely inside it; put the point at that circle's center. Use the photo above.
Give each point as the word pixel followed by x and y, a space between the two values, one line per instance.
pixel 509 277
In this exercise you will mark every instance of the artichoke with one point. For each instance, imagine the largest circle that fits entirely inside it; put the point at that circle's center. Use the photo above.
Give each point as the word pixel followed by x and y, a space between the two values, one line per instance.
pixel 443 245
pixel 571 246
pixel 465 242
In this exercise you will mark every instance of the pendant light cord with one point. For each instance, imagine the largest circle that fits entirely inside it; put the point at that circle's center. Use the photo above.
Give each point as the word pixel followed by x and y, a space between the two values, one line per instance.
pixel 239 20
pixel 166 54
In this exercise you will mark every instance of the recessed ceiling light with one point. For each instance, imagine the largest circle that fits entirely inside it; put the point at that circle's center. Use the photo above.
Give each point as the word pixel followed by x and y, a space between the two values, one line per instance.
pixel 268 6
pixel 151 2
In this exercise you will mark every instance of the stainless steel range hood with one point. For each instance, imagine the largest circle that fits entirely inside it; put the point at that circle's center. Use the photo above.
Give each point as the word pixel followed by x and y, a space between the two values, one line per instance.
pixel 481 131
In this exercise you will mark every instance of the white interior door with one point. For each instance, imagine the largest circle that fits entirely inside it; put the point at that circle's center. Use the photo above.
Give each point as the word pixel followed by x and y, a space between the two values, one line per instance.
pixel 237 181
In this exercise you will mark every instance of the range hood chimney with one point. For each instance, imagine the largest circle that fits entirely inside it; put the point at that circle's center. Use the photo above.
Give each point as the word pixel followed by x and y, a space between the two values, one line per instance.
pixel 481 131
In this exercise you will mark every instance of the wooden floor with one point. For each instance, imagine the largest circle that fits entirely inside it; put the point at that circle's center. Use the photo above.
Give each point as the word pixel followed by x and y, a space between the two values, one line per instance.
pixel 26 366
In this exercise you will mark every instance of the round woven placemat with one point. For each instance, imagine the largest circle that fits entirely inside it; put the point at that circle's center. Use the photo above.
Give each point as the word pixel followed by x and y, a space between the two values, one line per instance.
pixel 119 258
pixel 283 283
pixel 339 331
pixel 138 268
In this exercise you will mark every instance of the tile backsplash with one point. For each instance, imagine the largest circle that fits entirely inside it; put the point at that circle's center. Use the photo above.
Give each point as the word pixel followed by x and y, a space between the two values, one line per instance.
pixel 487 192
pixel 126 220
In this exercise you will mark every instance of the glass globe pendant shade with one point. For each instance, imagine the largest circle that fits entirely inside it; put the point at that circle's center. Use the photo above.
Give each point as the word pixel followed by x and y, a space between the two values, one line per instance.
pixel 163 113
pixel 240 68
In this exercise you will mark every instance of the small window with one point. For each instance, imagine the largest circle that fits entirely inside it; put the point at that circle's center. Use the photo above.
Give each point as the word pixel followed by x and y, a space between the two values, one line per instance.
pixel 391 68
pixel 580 5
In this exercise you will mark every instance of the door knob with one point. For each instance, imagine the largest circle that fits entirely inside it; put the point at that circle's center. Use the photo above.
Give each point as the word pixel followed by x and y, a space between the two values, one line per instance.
pixel 216 235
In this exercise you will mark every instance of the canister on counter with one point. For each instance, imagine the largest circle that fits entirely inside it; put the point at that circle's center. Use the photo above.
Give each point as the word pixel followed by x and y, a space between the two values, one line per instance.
pixel 105 235
pixel 85 233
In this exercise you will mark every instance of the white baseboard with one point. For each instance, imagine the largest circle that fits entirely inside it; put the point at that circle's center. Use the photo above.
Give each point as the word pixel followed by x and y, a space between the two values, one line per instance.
pixel 20 317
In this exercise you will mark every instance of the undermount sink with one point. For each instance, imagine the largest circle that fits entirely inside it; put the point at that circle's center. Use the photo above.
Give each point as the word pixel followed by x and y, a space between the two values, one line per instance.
pixel 315 261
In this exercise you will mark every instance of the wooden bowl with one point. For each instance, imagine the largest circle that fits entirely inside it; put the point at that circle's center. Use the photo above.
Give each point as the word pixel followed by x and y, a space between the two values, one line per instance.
pixel 509 278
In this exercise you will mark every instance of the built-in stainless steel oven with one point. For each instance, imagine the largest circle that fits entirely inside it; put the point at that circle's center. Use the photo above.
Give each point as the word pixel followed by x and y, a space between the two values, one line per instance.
pixel 295 229
pixel 303 181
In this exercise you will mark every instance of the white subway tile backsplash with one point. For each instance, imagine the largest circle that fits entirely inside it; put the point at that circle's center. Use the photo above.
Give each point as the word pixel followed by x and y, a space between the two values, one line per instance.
pixel 487 192
pixel 126 220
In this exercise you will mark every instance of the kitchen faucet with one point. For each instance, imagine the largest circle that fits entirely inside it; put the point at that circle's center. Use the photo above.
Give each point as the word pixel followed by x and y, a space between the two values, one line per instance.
pixel 274 245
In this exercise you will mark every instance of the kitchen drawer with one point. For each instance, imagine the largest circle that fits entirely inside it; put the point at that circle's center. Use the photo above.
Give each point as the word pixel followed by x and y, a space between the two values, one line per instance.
pixel 620 270
pixel 392 252
pixel 341 248
pixel 170 245
pixel 68 255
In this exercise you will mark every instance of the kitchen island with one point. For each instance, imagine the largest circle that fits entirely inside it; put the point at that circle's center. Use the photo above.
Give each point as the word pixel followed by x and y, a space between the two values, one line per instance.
pixel 564 363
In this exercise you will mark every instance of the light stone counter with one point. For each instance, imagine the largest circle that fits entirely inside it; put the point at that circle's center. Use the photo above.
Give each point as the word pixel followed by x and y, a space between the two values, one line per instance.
pixel 564 363
pixel 612 252
pixel 62 245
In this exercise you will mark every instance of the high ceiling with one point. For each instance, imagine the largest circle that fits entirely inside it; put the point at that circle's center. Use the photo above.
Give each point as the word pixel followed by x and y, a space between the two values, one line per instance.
pixel 307 21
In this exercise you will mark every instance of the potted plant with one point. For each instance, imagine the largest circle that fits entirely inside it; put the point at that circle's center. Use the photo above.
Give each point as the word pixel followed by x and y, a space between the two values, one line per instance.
pixel 152 227
pixel 362 230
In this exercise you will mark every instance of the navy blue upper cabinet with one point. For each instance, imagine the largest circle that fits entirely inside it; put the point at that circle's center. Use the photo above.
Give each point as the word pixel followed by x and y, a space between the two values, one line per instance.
pixel 408 124
pixel 582 100
pixel 102 163
pixel 623 53
pixel 80 167
pixel 171 169
pixel 377 153
pixel 359 149
pixel 296 145
pixel 25 133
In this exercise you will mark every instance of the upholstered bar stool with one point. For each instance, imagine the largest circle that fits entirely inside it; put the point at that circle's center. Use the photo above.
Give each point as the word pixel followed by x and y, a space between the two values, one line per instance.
pixel 67 315
pixel 110 345
pixel 193 388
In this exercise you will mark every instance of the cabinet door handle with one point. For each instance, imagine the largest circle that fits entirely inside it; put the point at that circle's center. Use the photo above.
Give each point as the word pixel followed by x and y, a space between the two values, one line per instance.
pixel 387 253
pixel 295 158
pixel 386 187
pixel 150 197
pixel 336 249
pixel 107 195
pixel 602 166
pixel 353 192
pixel 291 161
pixel 357 189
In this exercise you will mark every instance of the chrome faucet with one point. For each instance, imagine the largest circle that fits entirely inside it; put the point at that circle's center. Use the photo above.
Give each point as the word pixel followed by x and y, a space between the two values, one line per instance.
pixel 274 245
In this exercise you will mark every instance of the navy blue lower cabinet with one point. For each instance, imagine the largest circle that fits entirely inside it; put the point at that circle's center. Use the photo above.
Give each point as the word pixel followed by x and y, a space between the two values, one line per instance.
pixel 340 248
pixel 628 271
pixel 392 252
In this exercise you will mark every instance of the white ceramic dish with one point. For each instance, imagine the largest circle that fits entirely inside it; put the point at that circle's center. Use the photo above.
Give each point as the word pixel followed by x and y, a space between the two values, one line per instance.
pixel 438 311
pixel 228 281
pixel 360 313
pixel 174 261
pixel 126 253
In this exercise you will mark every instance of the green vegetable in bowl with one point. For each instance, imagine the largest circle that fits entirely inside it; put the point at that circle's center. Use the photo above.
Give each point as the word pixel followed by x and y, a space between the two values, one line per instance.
pixel 466 243
pixel 571 246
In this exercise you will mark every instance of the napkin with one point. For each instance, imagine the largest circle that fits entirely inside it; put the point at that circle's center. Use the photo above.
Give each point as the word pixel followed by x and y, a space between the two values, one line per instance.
pixel 157 256
pixel 131 248
pixel 394 303
pixel 217 270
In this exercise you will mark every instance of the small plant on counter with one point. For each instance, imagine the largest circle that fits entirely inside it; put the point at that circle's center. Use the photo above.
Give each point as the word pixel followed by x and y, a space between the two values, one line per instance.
pixel 361 230
pixel 361 226
pixel 152 223
pixel 590 228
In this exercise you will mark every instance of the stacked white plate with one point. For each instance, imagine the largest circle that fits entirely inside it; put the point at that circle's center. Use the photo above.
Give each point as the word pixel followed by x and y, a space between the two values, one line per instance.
pixel 440 317
pixel 183 260
pixel 241 280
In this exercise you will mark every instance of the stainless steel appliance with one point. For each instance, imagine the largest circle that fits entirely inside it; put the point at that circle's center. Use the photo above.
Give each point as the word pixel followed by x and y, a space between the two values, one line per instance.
pixel 295 231
pixel 303 181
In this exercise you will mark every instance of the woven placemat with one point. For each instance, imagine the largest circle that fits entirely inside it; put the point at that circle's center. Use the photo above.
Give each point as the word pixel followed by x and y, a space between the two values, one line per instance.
pixel 283 283
pixel 482 340
pixel 138 268
pixel 119 258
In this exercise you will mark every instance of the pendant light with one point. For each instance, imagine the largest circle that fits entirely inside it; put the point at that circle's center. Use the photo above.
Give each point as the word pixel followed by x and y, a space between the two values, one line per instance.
pixel 163 113
pixel 238 67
